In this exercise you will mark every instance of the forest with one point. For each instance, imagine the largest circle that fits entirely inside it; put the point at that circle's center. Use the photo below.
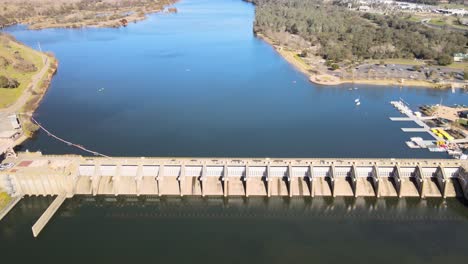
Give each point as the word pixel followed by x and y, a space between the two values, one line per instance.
pixel 338 34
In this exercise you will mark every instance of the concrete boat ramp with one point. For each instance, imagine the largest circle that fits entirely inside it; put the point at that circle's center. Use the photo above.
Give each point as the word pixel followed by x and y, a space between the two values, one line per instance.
pixel 64 176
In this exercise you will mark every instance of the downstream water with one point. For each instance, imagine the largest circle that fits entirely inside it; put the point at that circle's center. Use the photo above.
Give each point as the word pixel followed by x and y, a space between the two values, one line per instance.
pixel 255 230
pixel 198 83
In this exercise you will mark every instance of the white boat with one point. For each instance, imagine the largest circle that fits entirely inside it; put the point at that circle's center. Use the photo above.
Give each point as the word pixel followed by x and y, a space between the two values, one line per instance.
pixel 358 103
pixel 411 144
pixel 356 100
pixel 355 88
pixel 436 149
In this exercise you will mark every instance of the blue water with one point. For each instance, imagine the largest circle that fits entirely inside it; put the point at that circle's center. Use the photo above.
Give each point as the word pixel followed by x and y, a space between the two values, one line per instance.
pixel 199 83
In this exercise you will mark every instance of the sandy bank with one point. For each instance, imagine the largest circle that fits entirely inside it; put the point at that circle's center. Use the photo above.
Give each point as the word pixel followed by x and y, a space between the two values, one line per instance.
pixel 321 78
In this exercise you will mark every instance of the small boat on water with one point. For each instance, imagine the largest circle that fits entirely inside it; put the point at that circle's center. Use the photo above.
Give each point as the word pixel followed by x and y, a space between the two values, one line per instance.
pixel 355 88
pixel 350 89
pixel 356 100
pixel 358 103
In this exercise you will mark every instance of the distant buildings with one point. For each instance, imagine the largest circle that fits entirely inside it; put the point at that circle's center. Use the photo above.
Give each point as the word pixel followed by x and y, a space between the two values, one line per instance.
pixel 459 57
pixel 391 5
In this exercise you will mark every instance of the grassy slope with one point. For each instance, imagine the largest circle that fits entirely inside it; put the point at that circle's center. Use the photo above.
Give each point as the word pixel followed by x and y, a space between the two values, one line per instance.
pixel 4 199
pixel 9 96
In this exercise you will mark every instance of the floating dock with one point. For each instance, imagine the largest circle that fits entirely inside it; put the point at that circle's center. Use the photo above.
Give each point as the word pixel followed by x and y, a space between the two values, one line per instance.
pixel 439 134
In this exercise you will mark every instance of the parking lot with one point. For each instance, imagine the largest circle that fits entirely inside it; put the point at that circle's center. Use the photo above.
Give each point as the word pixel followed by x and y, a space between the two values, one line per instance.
pixel 399 71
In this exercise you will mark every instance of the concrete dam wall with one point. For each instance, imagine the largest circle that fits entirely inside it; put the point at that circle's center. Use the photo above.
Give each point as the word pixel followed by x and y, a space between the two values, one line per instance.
pixel 37 174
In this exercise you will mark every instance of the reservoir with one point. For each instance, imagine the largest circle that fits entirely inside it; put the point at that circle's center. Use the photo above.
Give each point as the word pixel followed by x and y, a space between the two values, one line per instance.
pixel 198 83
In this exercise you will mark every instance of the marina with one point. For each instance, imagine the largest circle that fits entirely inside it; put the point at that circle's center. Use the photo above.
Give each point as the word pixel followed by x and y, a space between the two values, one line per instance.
pixel 442 142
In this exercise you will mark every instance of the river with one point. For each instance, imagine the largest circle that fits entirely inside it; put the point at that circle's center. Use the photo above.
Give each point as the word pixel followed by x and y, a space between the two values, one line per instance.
pixel 198 83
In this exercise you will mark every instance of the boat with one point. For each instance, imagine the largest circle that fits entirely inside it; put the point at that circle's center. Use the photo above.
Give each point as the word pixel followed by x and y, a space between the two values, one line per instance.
pixel 411 144
pixel 356 100
pixel 358 103
pixel 355 88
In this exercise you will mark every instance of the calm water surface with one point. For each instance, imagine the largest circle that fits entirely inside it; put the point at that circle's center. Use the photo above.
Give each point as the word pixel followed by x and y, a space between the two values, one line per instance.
pixel 254 230
pixel 198 83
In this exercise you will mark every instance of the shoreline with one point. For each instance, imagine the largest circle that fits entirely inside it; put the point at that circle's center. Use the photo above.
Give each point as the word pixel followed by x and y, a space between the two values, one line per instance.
pixel 40 22
pixel 330 80
pixel 28 102
pixel 36 95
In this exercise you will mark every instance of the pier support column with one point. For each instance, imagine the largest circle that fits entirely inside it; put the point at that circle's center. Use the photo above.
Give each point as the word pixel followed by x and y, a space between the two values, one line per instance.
pixel 290 181
pixel 441 181
pixel 246 181
pixel 160 179
pixel 202 179
pixel 95 179
pixel 181 179
pixel 463 179
pixel 41 181
pixel 50 188
pixel 376 180
pixel 138 179
pixel 116 180
pixel 225 180
pixel 419 181
pixel 331 174
pixel 311 181
pixel 32 184
pixel 397 179
pixel 71 182
pixel 353 180
pixel 19 188
pixel 268 179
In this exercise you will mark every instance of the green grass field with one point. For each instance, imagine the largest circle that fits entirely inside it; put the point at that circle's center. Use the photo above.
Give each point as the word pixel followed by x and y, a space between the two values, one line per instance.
pixel 7 49
pixel 4 199
pixel 459 65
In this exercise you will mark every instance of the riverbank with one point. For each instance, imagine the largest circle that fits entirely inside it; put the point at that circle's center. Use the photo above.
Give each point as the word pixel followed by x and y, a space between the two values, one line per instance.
pixel 32 84
pixel 42 14
pixel 319 77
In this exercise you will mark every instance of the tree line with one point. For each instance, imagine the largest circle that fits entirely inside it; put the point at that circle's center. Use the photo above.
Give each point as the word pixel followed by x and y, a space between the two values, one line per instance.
pixel 341 34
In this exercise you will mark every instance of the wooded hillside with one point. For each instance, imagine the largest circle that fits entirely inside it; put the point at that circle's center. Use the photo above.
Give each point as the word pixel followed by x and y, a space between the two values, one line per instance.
pixel 341 34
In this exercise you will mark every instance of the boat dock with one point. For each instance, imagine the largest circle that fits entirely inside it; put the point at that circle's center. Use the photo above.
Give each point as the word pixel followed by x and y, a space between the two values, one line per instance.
pixel 447 142
pixel 35 174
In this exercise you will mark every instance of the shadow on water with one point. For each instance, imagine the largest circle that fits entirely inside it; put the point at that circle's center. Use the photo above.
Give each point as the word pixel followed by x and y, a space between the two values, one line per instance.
pixel 201 226
pixel 400 209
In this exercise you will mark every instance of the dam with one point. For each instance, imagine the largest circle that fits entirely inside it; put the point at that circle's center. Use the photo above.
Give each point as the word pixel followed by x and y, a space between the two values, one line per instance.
pixel 65 176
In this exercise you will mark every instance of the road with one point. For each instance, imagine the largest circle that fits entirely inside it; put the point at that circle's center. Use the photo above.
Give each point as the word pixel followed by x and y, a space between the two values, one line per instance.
pixel 23 99
pixel 425 22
